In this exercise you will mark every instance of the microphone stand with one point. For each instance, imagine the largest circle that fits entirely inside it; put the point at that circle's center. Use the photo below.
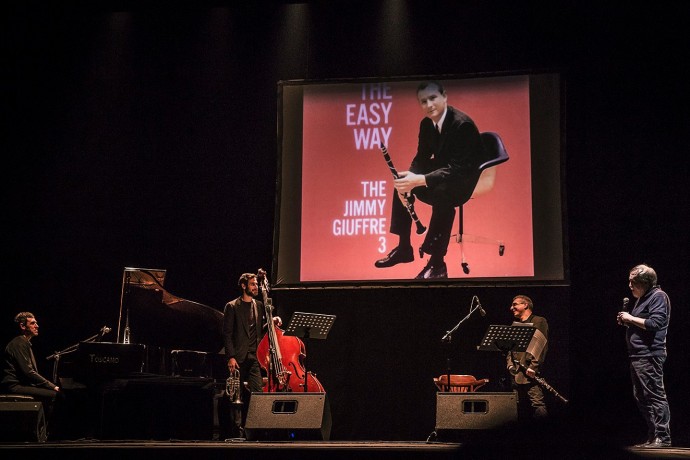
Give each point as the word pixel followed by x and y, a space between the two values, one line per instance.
pixel 72 348
pixel 448 338
pixel 56 356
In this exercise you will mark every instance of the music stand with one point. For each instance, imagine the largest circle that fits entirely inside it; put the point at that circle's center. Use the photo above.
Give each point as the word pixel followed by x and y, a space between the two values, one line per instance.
pixel 518 337
pixel 309 326
pixel 507 338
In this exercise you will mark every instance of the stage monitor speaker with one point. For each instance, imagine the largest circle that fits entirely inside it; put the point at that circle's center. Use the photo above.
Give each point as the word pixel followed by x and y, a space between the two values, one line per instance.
pixel 475 410
pixel 288 417
pixel 22 421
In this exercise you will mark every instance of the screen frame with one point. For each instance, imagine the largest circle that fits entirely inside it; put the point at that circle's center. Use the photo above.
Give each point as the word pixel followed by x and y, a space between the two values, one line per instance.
pixel 545 134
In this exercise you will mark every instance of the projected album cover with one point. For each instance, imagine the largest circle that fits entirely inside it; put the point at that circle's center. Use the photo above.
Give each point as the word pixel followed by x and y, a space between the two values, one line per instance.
pixel 346 185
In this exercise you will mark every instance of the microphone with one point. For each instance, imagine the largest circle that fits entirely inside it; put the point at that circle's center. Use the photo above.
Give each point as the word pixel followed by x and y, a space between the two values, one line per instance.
pixel 625 308
pixel 101 332
pixel 479 306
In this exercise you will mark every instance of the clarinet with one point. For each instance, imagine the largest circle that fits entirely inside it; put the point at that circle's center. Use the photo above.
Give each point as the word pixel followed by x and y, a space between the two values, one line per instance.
pixel 409 198
pixel 542 382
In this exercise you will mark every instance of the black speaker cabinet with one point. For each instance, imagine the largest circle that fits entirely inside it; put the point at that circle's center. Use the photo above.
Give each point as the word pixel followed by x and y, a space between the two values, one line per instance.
pixel 475 410
pixel 22 421
pixel 288 416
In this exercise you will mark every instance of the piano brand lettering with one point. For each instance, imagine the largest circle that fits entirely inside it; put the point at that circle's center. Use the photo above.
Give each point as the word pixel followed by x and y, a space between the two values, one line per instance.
pixel 94 358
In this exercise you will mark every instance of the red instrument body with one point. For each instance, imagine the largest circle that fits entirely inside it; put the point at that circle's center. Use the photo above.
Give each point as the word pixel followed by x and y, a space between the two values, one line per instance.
pixel 292 352
pixel 281 356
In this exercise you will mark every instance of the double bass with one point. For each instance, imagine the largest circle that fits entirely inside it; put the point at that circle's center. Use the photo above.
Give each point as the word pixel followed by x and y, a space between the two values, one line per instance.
pixel 281 356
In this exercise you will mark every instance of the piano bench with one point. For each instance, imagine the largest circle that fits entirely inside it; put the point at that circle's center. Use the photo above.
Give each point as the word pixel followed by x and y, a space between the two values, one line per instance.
pixel 22 418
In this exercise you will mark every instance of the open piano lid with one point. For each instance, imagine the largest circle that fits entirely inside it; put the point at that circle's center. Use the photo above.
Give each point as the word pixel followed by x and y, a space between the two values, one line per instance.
pixel 158 318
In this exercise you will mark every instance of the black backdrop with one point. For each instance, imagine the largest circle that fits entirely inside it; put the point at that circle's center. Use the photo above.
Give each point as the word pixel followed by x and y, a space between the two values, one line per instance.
pixel 146 137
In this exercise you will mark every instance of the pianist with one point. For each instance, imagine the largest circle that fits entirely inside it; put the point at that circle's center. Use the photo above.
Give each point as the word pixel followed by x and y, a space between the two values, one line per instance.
pixel 19 371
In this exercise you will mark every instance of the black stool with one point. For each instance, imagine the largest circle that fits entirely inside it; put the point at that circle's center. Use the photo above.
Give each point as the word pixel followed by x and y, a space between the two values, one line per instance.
pixel 22 418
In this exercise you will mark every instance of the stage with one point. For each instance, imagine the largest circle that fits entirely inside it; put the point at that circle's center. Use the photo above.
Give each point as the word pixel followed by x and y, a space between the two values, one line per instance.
pixel 203 450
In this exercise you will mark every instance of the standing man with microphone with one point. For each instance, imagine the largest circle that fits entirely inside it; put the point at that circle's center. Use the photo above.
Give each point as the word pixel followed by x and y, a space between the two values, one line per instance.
pixel 647 326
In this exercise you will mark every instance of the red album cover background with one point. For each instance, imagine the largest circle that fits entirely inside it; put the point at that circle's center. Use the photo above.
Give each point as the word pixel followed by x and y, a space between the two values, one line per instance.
pixel 347 185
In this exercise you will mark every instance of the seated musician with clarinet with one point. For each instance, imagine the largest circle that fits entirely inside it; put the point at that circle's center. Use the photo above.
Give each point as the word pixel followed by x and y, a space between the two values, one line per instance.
pixel 243 322
pixel 443 174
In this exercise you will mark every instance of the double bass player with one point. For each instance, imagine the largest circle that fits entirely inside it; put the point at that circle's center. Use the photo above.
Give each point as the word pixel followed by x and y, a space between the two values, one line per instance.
pixel 243 329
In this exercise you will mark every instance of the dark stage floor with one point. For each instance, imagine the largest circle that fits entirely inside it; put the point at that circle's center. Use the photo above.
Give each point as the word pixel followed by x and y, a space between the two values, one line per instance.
pixel 203 450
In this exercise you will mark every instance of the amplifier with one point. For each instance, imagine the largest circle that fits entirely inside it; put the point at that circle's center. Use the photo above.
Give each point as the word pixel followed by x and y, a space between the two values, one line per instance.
pixel 288 417
pixel 475 410
pixel 22 420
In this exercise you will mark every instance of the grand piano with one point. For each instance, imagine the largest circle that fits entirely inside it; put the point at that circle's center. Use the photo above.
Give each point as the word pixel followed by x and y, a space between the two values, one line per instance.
pixel 161 378
pixel 182 337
